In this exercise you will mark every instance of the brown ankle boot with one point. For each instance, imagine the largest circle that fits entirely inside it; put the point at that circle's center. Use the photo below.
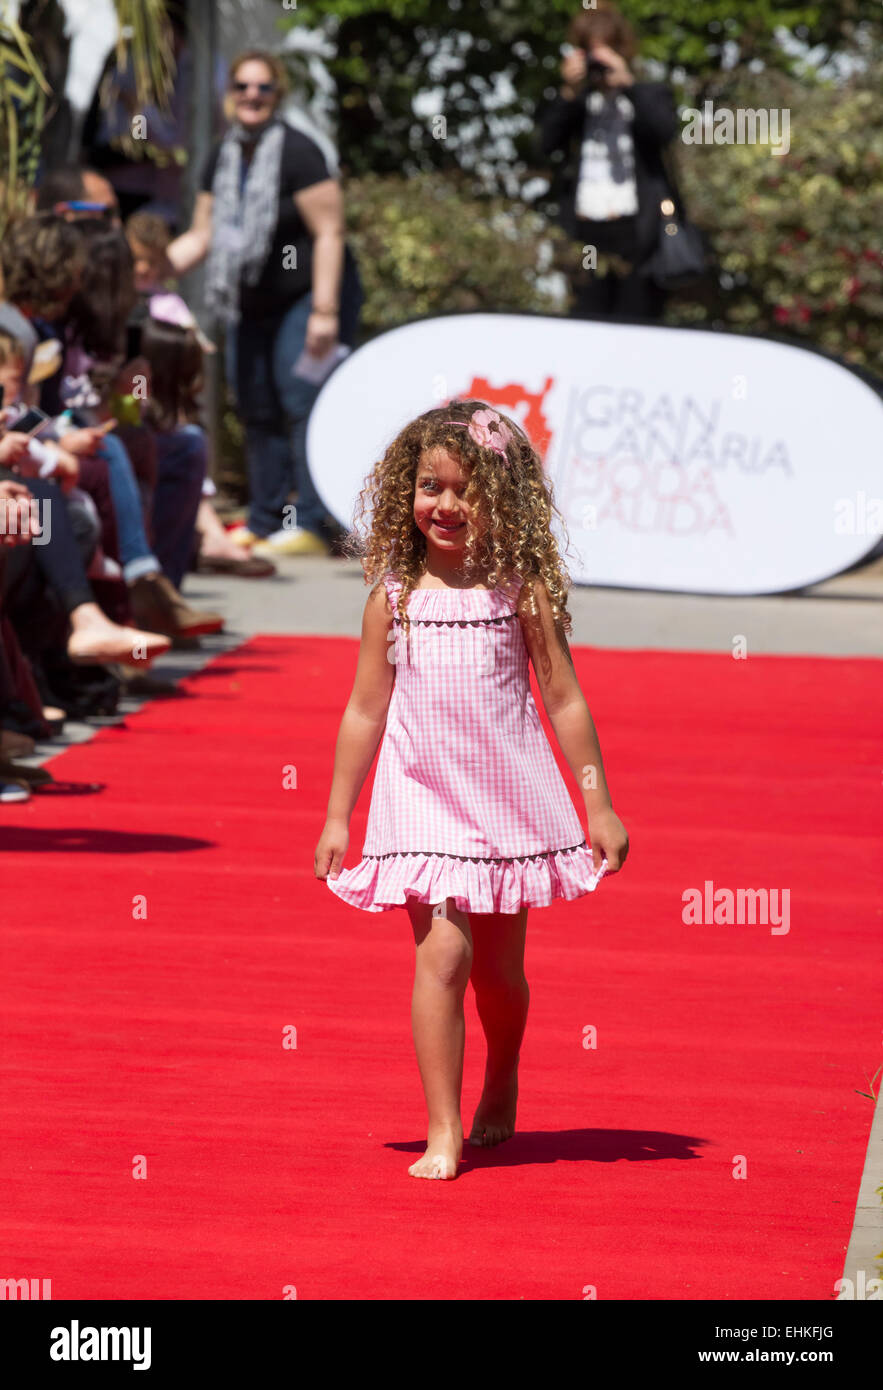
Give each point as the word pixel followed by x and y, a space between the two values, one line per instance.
pixel 158 607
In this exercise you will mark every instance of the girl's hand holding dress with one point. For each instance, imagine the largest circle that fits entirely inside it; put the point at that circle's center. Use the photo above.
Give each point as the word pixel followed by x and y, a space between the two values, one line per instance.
pixel 609 838
pixel 331 849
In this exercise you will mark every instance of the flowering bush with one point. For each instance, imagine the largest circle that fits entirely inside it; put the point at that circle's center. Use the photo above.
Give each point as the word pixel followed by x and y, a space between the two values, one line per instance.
pixel 796 236
pixel 427 245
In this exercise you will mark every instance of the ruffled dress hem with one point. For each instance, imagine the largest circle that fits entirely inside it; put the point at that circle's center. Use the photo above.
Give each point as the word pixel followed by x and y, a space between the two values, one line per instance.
pixel 382 882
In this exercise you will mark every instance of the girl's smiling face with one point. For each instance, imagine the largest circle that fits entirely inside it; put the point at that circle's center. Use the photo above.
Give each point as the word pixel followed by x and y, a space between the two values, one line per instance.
pixel 441 511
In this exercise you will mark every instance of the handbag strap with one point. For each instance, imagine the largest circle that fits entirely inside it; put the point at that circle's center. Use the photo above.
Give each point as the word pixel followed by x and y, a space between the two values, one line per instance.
pixel 674 191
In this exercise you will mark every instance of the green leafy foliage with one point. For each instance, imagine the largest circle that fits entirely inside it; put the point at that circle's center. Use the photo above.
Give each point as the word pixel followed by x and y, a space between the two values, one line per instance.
pixel 26 95
pixel 426 245
pixel 493 62
pixel 794 236
pixel 23 94
pixel 797 236
pixel 145 45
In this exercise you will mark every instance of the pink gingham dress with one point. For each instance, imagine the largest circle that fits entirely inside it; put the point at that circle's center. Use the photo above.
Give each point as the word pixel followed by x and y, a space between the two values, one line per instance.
pixel 468 802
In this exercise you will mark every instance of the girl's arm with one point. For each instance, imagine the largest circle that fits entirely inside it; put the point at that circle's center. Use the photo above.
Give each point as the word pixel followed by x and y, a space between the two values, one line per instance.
pixel 192 246
pixel 574 727
pixel 361 729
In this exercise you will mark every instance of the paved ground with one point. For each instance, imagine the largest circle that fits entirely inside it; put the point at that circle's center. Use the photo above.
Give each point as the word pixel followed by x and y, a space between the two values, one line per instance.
pixel 840 617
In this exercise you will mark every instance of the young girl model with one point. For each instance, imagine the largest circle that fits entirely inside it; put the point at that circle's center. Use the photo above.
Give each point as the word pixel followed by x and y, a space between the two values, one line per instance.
pixel 470 821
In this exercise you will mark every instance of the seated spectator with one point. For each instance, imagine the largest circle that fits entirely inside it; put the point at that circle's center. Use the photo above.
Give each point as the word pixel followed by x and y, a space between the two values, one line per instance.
pixel 93 327
pixel 74 194
pixel 172 348
pixel 98 324
pixel 46 592
pixel 149 236
pixel 17 526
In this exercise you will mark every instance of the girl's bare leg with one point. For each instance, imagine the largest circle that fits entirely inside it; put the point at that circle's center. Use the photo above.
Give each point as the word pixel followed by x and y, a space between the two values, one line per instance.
pixel 444 959
pixel 502 997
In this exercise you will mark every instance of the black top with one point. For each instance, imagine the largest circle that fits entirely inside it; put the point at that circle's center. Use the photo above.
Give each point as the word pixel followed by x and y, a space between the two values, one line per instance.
pixel 303 164
pixel 562 131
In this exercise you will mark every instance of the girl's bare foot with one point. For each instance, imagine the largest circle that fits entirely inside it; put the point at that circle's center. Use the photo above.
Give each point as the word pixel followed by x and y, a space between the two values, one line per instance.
pixel 444 1146
pixel 495 1117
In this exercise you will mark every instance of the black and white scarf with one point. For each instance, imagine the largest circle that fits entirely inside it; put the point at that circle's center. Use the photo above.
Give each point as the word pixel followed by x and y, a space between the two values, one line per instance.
pixel 244 217
pixel 607 186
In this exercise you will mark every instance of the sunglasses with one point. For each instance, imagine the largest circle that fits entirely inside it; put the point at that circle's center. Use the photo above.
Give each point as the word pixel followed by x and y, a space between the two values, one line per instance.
pixel 265 88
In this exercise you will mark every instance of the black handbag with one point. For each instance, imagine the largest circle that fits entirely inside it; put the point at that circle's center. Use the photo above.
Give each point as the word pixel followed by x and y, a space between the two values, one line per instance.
pixel 679 259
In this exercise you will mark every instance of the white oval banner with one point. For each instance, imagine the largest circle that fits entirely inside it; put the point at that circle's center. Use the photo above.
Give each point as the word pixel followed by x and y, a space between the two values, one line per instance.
pixel 681 459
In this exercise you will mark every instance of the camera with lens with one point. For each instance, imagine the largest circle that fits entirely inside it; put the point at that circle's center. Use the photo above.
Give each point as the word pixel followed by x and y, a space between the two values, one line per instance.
pixel 596 73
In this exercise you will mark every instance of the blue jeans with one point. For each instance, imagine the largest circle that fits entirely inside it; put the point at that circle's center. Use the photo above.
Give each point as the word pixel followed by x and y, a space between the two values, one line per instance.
pixel 135 554
pixel 182 455
pixel 275 405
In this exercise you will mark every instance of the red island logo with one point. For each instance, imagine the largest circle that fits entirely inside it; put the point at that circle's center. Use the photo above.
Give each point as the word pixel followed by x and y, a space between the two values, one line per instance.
pixel 526 407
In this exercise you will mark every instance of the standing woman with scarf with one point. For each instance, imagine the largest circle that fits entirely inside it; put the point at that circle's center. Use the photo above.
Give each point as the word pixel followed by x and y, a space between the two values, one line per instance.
pixel 283 282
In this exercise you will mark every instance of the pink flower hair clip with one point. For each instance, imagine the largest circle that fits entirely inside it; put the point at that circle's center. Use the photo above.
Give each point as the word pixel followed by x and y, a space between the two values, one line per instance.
pixel 488 430
pixel 170 308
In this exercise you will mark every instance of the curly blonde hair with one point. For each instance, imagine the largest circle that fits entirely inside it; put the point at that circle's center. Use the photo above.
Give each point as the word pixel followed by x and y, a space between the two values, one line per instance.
pixel 512 501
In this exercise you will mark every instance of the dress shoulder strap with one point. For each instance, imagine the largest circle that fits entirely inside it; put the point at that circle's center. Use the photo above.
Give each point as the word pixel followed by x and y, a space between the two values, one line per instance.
pixel 393 588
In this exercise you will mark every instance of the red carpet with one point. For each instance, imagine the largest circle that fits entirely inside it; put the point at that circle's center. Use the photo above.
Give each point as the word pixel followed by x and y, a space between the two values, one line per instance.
pixel 266 1167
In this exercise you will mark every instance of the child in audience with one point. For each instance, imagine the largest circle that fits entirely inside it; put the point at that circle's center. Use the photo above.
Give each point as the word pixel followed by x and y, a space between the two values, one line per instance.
pixel 98 327
pixel 148 236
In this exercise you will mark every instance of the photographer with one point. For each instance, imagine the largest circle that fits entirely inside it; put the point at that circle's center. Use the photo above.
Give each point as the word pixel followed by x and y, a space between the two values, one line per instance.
pixel 606 132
